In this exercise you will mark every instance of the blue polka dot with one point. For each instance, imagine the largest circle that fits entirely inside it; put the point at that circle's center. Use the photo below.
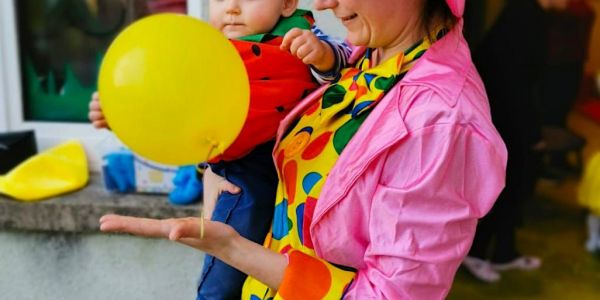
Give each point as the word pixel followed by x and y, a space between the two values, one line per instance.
pixel 309 181
pixel 300 218
pixel 369 78
pixel 305 129
pixel 359 108
pixel 280 221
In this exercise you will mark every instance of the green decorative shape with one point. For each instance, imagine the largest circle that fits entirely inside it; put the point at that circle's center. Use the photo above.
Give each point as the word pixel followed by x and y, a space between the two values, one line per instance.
pixel 386 83
pixel 343 135
pixel 333 95
pixel 418 55
pixel 68 103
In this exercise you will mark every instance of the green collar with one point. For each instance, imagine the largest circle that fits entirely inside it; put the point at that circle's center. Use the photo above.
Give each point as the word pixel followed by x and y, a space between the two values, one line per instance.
pixel 299 19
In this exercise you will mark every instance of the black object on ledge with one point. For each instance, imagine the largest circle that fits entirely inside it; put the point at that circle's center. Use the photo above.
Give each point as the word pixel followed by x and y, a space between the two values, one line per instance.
pixel 16 147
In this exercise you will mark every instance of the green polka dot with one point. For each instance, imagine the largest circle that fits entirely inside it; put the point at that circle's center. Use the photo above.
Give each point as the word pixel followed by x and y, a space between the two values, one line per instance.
pixel 343 135
pixel 419 54
pixel 385 83
pixel 333 95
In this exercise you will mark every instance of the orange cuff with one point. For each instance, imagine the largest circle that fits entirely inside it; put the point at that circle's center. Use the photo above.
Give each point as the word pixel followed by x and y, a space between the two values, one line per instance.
pixel 308 277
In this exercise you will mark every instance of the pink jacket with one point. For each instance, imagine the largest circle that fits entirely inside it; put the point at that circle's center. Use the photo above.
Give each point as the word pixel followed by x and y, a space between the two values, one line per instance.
pixel 402 202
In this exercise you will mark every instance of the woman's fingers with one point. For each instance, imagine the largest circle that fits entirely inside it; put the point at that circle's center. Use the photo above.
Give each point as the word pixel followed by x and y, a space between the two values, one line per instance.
pixel 198 233
pixel 184 230
pixel 173 229
pixel 136 226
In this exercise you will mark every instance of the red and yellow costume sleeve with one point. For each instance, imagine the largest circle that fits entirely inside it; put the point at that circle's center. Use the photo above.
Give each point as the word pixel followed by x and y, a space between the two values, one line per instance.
pixel 308 277
pixel 278 81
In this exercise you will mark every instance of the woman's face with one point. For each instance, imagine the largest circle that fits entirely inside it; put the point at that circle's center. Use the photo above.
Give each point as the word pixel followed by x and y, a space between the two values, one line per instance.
pixel 380 23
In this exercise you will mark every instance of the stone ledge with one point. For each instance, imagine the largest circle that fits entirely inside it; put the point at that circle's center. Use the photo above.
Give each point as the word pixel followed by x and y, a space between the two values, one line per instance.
pixel 79 211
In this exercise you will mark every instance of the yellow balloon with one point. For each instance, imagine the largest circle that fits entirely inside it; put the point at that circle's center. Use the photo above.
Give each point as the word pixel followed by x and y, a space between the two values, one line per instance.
pixel 174 89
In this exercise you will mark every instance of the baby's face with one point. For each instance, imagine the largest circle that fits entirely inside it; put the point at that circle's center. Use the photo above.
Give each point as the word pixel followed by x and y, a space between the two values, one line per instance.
pixel 237 18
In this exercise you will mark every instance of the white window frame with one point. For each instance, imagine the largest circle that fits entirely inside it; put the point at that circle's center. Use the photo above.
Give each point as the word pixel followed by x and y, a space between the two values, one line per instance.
pixel 47 134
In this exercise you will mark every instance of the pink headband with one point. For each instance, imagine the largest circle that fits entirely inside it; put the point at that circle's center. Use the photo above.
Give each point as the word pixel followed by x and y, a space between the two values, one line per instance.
pixel 457 7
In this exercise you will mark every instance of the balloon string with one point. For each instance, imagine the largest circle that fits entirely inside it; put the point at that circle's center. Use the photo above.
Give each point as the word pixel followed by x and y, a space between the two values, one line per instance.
pixel 213 145
pixel 201 224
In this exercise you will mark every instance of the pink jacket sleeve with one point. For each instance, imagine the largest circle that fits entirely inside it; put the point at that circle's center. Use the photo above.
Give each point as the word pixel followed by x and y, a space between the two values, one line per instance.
pixel 421 226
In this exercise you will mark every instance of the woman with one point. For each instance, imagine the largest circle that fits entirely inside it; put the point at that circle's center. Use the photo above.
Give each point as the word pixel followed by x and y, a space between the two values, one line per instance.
pixel 400 153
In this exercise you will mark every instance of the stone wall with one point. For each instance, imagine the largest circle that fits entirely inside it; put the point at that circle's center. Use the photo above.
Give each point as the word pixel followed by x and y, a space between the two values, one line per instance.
pixel 78 266
pixel 52 250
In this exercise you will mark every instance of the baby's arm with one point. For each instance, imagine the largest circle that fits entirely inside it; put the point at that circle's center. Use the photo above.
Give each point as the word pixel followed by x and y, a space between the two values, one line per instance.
pixel 326 56
pixel 341 52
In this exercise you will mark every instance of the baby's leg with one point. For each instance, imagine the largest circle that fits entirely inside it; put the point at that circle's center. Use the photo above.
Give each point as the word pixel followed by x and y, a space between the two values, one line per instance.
pixel 250 212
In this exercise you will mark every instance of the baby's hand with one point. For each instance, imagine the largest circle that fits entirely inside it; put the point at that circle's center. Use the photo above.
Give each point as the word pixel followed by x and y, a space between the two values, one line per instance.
pixel 306 46
pixel 95 114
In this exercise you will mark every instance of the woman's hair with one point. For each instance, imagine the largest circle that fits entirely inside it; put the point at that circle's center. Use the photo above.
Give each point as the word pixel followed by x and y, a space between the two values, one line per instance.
pixel 436 13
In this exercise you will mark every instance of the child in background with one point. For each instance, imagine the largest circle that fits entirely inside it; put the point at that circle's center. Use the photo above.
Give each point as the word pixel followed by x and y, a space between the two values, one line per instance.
pixel 276 42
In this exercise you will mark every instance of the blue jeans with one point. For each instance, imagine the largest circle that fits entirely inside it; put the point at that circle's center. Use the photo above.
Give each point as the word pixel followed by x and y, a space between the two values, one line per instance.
pixel 250 212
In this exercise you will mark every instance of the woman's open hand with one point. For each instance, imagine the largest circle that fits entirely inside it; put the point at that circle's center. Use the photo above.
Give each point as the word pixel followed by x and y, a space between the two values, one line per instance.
pixel 187 231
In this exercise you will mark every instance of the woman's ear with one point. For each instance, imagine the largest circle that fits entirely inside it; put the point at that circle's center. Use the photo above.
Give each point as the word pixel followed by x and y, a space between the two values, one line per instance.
pixel 289 7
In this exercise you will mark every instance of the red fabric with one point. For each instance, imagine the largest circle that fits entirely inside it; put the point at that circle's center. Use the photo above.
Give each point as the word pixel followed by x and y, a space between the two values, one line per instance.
pixel 278 81
pixel 591 109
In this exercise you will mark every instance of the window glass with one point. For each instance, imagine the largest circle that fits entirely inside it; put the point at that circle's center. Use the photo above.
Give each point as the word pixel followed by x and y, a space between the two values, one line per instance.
pixel 61 44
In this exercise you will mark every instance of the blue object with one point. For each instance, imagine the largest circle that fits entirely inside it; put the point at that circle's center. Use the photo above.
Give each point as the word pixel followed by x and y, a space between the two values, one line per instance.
pixel 118 171
pixel 250 212
pixel 188 188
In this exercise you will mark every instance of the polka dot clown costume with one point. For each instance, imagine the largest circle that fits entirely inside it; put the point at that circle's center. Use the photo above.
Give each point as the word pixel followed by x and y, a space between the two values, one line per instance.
pixel 383 176
pixel 316 141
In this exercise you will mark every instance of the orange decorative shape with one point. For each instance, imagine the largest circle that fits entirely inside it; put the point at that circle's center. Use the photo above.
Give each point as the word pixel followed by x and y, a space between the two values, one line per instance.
pixel 297 144
pixel 290 173
pixel 306 277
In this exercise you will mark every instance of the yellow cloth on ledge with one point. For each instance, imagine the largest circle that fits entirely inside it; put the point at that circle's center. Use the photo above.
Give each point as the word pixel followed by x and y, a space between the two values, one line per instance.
pixel 53 172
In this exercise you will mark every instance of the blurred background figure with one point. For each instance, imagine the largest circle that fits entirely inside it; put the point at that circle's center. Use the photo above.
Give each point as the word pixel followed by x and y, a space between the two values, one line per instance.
pixel 510 59
pixel 569 32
